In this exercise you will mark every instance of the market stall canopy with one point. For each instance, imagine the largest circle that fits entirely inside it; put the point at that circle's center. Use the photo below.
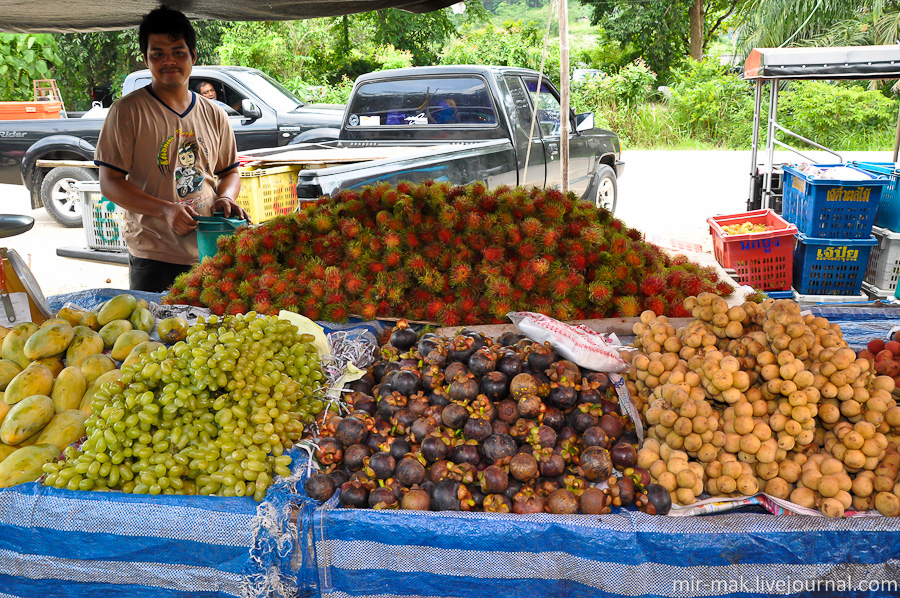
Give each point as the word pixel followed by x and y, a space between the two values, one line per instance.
pixel 68 16
pixel 850 62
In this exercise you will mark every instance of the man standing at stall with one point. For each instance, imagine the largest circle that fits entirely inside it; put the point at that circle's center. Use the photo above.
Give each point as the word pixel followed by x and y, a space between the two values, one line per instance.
pixel 166 157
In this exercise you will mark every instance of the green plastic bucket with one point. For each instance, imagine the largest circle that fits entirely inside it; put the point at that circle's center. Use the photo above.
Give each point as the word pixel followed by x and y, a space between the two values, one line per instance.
pixel 210 228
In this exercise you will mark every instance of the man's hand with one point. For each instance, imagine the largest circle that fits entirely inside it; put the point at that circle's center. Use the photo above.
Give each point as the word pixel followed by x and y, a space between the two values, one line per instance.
pixel 229 208
pixel 182 218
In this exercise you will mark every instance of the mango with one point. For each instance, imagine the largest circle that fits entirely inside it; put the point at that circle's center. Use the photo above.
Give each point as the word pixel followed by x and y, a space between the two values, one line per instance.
pixel 6 451
pixel 49 340
pixel 8 371
pixel 3 332
pixel 119 307
pixel 89 320
pixel 71 315
pixel 172 330
pixel 4 409
pixel 112 330
pixel 142 319
pixel 14 343
pixel 55 364
pixel 93 366
pixel 126 342
pixel 86 343
pixel 30 440
pixel 36 379
pixel 26 464
pixel 140 350
pixel 68 389
pixel 26 418
pixel 63 429
pixel 87 401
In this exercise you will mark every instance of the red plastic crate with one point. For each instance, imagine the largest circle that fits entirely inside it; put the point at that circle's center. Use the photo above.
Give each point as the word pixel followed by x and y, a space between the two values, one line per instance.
pixel 761 260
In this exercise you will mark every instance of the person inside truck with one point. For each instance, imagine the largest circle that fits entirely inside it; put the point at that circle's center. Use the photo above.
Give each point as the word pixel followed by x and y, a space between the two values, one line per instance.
pixel 167 157
pixel 207 90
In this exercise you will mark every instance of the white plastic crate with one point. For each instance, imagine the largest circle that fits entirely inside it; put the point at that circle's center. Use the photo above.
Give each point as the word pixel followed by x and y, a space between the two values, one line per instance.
pixel 875 293
pixel 104 224
pixel 816 299
pixel 883 270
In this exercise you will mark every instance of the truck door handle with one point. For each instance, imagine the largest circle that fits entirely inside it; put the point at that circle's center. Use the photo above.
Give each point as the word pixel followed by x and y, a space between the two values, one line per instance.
pixel 554 148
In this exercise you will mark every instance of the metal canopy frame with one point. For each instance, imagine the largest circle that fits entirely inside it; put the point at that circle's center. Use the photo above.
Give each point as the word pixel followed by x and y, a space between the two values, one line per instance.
pixel 772 65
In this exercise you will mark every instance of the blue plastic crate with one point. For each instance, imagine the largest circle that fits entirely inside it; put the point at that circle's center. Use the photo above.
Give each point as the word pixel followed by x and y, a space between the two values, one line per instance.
pixel 888 215
pixel 831 209
pixel 831 266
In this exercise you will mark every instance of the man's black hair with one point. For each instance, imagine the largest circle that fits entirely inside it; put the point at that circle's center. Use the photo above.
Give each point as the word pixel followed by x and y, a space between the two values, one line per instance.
pixel 169 22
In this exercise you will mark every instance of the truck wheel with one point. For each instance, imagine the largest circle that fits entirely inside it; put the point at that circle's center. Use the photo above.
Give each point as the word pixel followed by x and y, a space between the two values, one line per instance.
pixel 606 190
pixel 60 198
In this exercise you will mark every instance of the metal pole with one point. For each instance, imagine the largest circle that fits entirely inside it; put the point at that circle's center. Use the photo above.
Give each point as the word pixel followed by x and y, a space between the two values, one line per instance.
pixel 564 92
pixel 757 108
pixel 897 140
pixel 770 144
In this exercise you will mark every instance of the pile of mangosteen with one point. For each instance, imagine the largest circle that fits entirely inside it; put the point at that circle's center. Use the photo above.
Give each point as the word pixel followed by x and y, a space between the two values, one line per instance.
pixel 474 424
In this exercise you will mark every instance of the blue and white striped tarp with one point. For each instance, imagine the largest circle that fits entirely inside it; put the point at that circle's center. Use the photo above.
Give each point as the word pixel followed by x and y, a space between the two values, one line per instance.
pixel 69 544
pixel 378 554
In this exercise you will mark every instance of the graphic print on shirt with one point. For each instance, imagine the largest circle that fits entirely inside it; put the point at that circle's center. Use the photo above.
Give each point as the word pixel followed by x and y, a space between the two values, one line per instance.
pixel 188 178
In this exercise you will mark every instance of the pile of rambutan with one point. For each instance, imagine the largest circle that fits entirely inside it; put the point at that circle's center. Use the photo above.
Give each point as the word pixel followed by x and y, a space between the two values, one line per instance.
pixel 446 254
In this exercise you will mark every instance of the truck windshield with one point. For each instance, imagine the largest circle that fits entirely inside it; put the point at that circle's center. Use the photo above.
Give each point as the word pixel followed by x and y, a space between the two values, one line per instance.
pixel 269 90
pixel 424 101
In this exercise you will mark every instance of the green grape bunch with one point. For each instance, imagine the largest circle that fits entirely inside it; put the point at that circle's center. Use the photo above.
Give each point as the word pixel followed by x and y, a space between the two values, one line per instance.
pixel 210 415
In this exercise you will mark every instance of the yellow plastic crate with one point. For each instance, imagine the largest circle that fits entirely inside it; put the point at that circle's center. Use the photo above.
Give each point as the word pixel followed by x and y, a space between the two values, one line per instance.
pixel 268 192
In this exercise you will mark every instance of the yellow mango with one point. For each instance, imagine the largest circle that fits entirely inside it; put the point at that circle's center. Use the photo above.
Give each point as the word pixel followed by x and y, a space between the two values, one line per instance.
pixel 142 319
pixel 86 343
pixel 30 440
pixel 8 371
pixel 49 340
pixel 142 303
pixel 26 418
pixel 117 308
pixel 68 389
pixel 112 330
pixel 26 464
pixel 6 451
pixel 140 350
pixel 3 332
pixel 55 364
pixel 4 409
pixel 13 347
pixel 93 366
pixel 89 320
pixel 71 315
pixel 126 342
pixel 53 321
pixel 172 330
pixel 63 429
pixel 36 379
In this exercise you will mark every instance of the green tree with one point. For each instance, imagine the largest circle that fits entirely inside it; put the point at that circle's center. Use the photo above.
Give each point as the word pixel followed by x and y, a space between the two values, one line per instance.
pixel 663 33
pixel 24 57
pixel 777 23
pixel 106 58
pixel 514 44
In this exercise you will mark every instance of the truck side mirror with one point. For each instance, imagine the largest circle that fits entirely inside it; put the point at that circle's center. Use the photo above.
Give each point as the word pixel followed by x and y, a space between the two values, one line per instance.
pixel 584 121
pixel 250 110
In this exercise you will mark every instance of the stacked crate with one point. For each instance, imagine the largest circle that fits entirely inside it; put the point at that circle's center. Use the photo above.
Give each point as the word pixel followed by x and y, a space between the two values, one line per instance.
pixel 835 220
pixel 883 271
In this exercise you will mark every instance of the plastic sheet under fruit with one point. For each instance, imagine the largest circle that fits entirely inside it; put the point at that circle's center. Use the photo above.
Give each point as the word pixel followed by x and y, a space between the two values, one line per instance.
pixel 859 325
pixel 396 553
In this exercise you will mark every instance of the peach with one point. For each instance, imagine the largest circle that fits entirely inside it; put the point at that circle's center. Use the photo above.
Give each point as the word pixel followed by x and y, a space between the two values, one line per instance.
pixel 893 347
pixel 875 345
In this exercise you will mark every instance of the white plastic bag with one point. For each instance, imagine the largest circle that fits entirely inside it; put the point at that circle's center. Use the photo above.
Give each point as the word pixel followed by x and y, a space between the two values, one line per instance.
pixel 580 344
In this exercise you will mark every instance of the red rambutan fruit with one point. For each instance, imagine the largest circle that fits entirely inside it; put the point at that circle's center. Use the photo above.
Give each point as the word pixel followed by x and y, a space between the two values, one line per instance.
pixel 493 254
pixel 460 274
pixel 576 261
pixel 653 285
pixel 656 304
pixel 724 289
pixel 628 287
pixel 599 292
pixel 393 258
pixel 627 307
pixel 526 280
pixel 434 308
